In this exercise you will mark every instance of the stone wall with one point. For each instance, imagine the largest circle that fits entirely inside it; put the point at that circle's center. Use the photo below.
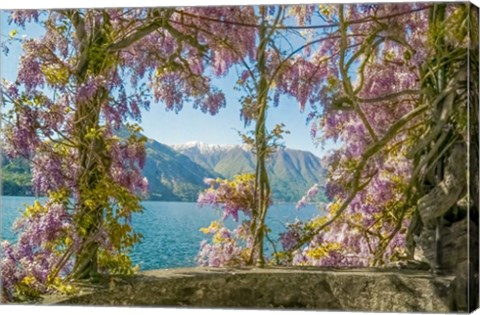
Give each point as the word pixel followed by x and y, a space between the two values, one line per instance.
pixel 352 290
pixel 458 257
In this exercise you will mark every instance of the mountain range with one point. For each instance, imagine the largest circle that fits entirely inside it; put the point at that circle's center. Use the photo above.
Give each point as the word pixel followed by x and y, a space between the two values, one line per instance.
pixel 176 173
pixel 291 172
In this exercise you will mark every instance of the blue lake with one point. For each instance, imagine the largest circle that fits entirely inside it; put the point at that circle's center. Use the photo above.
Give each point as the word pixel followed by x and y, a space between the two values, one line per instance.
pixel 171 235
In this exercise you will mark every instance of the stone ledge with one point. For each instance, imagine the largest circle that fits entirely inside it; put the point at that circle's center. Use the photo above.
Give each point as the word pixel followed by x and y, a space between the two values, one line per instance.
pixel 296 288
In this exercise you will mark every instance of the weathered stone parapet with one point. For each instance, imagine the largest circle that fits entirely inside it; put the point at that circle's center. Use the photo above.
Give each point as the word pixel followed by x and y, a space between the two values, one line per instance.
pixel 352 289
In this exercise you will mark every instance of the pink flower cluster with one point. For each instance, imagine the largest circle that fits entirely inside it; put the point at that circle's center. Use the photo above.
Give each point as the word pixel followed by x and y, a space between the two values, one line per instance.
pixel 311 193
pixel 354 237
pixel 231 197
pixel 35 253
pixel 228 247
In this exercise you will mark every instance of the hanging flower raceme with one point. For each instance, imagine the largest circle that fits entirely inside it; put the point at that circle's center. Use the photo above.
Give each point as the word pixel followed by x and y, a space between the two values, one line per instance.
pixel 228 247
pixel 27 265
pixel 232 197
pixel 378 86
pixel 78 83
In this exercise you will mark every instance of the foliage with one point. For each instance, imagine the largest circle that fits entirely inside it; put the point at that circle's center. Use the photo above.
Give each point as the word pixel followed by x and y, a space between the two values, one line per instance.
pixel 89 73
pixel 386 81
pixel 378 179
pixel 16 178
pixel 227 248
pixel 26 265
pixel 232 198
pixel 274 71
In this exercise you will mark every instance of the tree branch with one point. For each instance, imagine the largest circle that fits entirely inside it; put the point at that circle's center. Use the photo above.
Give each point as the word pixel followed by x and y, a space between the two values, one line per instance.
pixel 372 150
pixel 136 36
pixel 321 26
pixel 389 97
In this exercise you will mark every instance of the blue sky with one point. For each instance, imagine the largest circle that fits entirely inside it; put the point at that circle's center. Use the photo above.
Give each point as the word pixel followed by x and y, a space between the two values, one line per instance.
pixel 190 124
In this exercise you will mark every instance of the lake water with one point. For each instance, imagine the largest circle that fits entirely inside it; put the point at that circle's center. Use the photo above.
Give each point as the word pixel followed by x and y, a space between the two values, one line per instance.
pixel 171 235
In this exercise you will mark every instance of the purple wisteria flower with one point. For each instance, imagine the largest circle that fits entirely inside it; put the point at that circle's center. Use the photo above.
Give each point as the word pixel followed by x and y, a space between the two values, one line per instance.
pixel 311 193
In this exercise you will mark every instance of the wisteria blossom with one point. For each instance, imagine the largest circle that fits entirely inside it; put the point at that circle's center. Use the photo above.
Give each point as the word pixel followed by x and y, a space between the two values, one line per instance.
pixel 73 112
pixel 228 247
pixel 367 76
pixel 44 230
pixel 374 114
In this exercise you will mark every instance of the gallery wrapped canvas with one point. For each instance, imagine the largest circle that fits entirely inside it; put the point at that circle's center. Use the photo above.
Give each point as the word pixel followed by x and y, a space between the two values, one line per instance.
pixel 304 156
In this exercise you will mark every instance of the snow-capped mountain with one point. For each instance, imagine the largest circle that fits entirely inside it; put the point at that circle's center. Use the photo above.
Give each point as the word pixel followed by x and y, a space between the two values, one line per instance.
pixel 291 172
pixel 202 147
pixel 204 154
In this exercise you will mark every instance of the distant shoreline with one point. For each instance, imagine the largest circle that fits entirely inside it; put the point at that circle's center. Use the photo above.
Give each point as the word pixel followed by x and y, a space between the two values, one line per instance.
pixel 156 200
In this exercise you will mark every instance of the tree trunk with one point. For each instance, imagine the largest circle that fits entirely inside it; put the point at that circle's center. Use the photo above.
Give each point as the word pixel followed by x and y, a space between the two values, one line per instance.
pixel 94 160
pixel 261 175
pixel 94 165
